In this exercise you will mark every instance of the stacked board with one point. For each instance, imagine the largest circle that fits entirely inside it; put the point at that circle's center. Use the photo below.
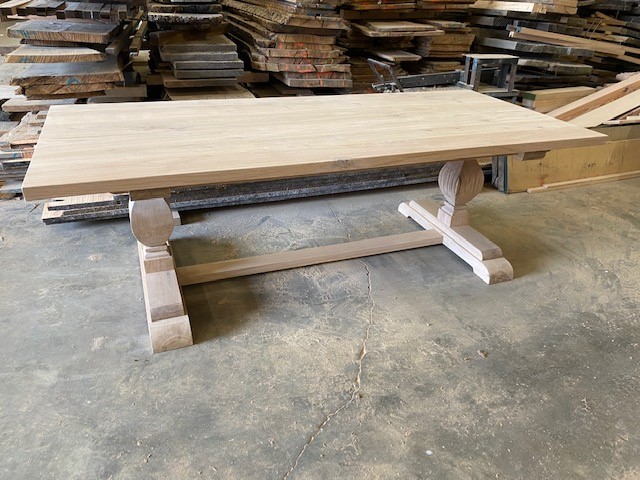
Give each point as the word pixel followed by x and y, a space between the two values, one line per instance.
pixel 189 48
pixel 388 41
pixel 66 58
pixel 444 52
pixel 197 59
pixel 542 64
pixel 16 146
pixel 295 41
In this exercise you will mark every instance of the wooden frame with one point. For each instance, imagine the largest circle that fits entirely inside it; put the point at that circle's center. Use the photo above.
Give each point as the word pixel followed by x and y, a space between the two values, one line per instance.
pixel 448 225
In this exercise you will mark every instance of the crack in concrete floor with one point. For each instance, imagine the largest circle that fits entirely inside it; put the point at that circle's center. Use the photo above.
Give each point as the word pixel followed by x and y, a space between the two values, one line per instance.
pixel 355 386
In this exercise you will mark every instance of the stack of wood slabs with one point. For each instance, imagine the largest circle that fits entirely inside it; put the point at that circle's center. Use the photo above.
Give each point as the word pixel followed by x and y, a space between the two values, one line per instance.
pixel 112 12
pixel 185 15
pixel 31 7
pixel 105 206
pixel 615 104
pixel 541 64
pixel 624 31
pixel 66 59
pixel 363 76
pixel 16 148
pixel 191 59
pixel 443 52
pixel 395 29
pixel 296 41
pixel 389 41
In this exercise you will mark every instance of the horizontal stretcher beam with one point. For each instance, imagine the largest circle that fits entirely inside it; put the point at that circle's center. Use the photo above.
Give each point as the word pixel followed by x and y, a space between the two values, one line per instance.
pixel 273 262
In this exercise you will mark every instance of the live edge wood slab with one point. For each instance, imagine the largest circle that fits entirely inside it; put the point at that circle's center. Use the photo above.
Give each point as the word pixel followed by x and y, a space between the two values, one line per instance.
pixel 146 149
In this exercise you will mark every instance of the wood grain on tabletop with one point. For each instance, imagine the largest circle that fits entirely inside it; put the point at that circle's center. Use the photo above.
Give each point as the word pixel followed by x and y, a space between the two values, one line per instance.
pixel 114 148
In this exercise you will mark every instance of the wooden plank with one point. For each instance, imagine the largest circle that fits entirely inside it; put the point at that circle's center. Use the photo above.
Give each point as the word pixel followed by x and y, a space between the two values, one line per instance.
pixel 528 7
pixel 87 31
pixel 212 65
pixel 209 272
pixel 552 98
pixel 395 33
pixel 20 104
pixel 596 100
pixel 283 138
pixel 598 116
pixel 35 54
pixel 395 55
pixel 581 182
pixel 213 93
pixel 66 73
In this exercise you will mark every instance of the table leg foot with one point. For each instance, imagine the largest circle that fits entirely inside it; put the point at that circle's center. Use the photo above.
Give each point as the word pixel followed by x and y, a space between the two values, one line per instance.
pixel 152 224
pixel 484 256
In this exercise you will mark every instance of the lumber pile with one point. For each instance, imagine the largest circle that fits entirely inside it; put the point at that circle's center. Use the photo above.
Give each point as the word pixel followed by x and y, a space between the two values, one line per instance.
pixel 294 41
pixel 388 41
pixel 190 49
pixel 16 147
pixel 441 53
pixel 196 59
pixel 615 104
pixel 68 58
pixel 542 64
pixel 104 206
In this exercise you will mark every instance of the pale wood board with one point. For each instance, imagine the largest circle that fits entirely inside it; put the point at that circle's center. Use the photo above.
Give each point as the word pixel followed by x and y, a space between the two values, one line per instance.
pixel 597 99
pixel 35 54
pixel 611 110
pixel 581 182
pixel 139 147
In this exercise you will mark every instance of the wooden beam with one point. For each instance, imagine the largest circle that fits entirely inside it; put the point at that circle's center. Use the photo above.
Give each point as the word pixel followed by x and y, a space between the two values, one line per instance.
pixel 209 272
pixel 596 100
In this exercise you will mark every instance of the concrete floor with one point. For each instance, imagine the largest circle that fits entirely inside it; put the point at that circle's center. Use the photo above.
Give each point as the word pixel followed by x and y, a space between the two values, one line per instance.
pixel 360 369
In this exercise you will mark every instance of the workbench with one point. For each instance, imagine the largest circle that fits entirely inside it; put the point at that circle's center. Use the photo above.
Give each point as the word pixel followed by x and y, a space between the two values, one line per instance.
pixel 146 149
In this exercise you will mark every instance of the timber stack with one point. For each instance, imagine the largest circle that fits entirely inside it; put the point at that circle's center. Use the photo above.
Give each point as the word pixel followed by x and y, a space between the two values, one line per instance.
pixel 557 47
pixel 190 50
pixel 17 142
pixel 78 55
pixel 413 37
pixel 294 41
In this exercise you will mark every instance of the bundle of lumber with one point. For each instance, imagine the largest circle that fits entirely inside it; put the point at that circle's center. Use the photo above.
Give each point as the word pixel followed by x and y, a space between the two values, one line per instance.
pixel 113 12
pixel 542 64
pixel 185 15
pixel 443 52
pixel 295 41
pixel 388 41
pixel 363 76
pixel 615 104
pixel 196 59
pixel 69 58
pixel 16 147
pixel 105 206
pixel 189 47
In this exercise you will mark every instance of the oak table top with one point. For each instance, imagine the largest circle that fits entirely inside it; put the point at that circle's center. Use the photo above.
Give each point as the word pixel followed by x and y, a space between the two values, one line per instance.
pixel 88 149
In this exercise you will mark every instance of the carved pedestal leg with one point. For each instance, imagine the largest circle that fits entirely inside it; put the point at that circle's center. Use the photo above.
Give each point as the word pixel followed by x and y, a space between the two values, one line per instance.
pixel 460 182
pixel 152 224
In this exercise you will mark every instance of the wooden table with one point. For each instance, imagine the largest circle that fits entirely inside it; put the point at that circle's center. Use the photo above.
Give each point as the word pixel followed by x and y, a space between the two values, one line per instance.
pixel 146 149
